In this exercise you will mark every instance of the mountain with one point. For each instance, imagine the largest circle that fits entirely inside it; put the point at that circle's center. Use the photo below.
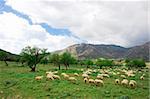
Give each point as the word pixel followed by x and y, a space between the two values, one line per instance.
pixel 83 51
pixel 10 56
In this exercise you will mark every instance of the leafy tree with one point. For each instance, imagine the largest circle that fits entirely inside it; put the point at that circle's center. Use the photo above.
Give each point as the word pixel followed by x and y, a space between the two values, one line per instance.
pixel 3 57
pixel 55 58
pixel 66 59
pixel 33 56
pixel 88 62
pixel 136 63
pixel 105 62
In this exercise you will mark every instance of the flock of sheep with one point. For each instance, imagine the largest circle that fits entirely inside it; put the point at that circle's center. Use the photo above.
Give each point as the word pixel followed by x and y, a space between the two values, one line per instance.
pixel 122 75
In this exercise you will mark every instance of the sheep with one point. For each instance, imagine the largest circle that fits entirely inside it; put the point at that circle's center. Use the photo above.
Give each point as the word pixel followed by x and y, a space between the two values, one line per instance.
pixel 38 77
pixel 56 77
pixel 117 81
pixel 65 75
pixel 76 74
pixel 91 81
pixel 85 80
pixel 132 83
pixel 105 75
pixel 123 76
pixel 50 76
pixel 72 79
pixel 85 76
pixel 99 77
pixel 98 82
pixel 142 77
pixel 124 82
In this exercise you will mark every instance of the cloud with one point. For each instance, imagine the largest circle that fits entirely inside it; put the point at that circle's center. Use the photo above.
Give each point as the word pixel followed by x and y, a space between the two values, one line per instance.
pixel 16 33
pixel 112 22
pixel 116 22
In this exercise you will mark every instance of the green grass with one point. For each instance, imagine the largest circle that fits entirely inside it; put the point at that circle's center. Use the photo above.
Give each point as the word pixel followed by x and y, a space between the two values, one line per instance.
pixel 16 81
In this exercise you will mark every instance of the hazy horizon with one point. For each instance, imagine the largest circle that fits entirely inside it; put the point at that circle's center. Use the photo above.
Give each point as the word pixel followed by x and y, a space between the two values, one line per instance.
pixel 56 25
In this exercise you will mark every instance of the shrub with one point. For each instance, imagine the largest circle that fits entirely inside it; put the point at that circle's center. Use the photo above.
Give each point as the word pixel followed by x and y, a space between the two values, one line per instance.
pixel 136 63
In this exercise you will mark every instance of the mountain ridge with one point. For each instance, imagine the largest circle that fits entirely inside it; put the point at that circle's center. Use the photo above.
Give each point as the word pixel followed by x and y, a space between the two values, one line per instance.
pixel 84 50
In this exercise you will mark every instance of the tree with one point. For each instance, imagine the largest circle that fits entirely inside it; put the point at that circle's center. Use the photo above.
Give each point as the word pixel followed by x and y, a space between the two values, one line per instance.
pixel 3 57
pixel 55 59
pixel 66 59
pixel 136 63
pixel 33 56
pixel 88 62
pixel 105 62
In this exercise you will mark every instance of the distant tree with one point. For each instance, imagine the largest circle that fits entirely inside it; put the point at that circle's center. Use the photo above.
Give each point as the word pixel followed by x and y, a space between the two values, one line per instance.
pixel 105 62
pixel 55 59
pixel 44 60
pixel 3 57
pixel 88 62
pixel 136 63
pixel 33 56
pixel 66 59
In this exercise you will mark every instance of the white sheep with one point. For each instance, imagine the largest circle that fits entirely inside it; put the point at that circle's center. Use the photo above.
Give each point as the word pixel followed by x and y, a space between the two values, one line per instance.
pixel 91 81
pixel 50 76
pixel 38 77
pixel 85 76
pixel 65 75
pixel 132 83
pixel 72 79
pixel 142 77
pixel 98 82
pixel 85 80
pixel 124 82
pixel 76 74
pixel 56 77
pixel 99 77
pixel 123 76
pixel 105 75
pixel 117 81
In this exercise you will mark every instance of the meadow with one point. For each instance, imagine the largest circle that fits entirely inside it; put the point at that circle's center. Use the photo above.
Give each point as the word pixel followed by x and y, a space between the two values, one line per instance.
pixel 17 82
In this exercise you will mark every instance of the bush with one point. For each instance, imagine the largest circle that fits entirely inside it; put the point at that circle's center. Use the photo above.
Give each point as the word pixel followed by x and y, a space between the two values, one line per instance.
pixel 105 62
pixel 136 63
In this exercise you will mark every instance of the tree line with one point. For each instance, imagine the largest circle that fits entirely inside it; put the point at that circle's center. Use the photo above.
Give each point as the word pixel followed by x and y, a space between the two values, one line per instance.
pixel 31 56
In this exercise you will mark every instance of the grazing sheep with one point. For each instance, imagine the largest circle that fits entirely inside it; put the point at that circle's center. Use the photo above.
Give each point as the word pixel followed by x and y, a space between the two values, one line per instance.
pixel 132 83
pixel 56 77
pixel 105 75
pixel 142 77
pixel 76 74
pixel 85 76
pixel 65 75
pixel 55 72
pixel 117 81
pixel 91 81
pixel 98 82
pixel 72 79
pixel 124 82
pixel 99 77
pixel 85 80
pixel 123 76
pixel 38 77
pixel 50 76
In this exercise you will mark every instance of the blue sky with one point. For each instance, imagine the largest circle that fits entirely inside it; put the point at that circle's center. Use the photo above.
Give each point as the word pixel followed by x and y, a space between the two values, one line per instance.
pixel 48 28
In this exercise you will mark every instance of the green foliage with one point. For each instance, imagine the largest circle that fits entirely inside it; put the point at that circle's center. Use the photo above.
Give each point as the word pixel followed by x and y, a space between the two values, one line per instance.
pixel 32 56
pixel 67 59
pixel 136 63
pixel 88 62
pixel 3 57
pixel 105 62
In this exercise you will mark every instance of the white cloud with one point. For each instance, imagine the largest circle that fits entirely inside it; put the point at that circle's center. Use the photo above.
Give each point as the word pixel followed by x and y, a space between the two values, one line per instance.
pixel 116 22
pixel 16 33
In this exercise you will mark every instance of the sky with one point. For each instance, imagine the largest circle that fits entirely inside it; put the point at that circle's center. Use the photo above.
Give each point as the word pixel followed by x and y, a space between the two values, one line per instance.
pixel 57 24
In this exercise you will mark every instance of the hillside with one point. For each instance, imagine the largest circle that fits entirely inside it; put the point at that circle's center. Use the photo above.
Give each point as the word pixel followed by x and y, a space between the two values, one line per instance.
pixel 10 56
pixel 83 51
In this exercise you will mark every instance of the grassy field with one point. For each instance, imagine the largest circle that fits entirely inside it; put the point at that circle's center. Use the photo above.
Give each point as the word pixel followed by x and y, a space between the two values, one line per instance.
pixel 16 82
